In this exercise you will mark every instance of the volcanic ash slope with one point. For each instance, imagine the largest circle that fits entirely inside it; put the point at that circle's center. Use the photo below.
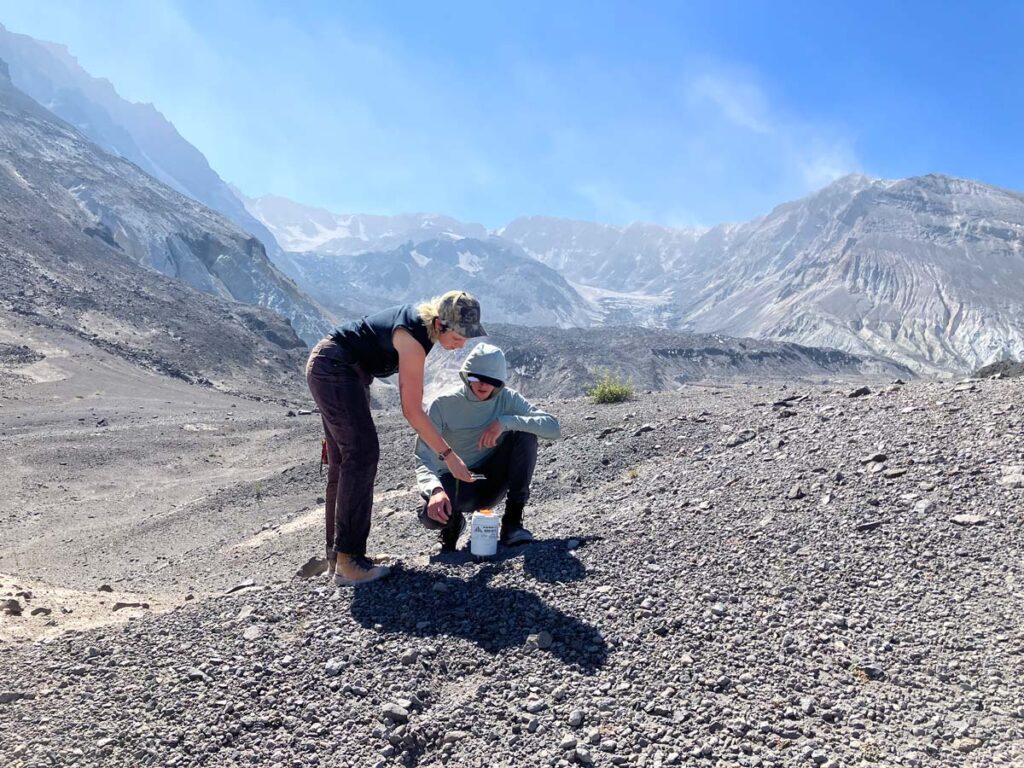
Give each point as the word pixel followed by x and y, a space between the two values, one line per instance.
pixel 724 577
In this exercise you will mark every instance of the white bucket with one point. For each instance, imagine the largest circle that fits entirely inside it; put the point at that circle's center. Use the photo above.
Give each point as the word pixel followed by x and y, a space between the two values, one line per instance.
pixel 484 531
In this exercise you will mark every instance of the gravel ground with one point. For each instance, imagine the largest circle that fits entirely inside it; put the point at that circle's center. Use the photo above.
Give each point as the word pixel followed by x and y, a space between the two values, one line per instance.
pixel 736 576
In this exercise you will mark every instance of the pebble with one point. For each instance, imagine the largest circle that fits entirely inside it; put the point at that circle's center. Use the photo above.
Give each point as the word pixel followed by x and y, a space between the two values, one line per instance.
pixel 395 713
pixel 969 520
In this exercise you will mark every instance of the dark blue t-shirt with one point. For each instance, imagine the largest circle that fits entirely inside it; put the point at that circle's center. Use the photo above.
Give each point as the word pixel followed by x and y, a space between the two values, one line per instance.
pixel 369 339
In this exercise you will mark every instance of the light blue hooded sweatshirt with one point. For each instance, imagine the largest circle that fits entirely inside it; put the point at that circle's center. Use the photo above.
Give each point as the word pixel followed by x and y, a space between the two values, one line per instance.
pixel 461 418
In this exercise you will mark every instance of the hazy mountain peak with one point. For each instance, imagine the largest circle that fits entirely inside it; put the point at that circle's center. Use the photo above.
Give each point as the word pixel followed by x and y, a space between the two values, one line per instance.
pixel 138 132
pixel 306 228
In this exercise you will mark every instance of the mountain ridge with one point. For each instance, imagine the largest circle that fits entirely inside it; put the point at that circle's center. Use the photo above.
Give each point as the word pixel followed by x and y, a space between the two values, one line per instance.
pixel 892 267
pixel 49 73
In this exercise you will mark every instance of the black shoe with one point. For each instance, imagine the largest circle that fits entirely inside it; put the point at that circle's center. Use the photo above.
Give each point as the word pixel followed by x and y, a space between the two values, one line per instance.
pixel 450 536
pixel 514 537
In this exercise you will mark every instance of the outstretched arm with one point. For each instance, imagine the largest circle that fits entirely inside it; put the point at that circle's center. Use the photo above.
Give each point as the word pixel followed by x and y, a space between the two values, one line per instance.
pixel 411 360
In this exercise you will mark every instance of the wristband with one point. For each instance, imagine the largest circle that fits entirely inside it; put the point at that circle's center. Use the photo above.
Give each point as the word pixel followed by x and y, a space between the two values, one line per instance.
pixel 444 454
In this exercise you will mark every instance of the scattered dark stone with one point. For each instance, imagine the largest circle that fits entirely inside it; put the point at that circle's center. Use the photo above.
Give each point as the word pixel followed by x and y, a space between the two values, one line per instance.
pixel 9 697
pixel 11 607
pixel 859 392
pixel 874 458
pixel 869 526
pixel 105 588
pixel 121 604
pixel 870 670
pixel 244 584
pixel 395 713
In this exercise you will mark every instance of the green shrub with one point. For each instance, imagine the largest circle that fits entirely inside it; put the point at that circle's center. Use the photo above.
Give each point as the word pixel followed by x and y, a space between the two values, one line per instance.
pixel 611 388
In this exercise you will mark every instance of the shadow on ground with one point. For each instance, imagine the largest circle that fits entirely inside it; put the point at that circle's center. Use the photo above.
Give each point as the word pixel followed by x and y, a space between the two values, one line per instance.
pixel 431 604
pixel 547 560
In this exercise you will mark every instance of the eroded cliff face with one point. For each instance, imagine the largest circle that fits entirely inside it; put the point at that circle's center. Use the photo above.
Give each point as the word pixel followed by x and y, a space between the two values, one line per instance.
pixel 139 133
pixel 928 271
pixel 113 202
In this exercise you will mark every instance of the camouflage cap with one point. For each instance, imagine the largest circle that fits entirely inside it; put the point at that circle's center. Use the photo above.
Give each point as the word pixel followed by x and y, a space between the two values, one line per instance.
pixel 460 312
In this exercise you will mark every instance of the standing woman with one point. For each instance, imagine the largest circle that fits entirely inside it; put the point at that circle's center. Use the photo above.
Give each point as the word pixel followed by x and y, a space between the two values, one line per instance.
pixel 339 373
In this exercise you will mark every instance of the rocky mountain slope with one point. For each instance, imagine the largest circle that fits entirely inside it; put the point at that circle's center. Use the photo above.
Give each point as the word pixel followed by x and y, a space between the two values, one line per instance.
pixel 70 181
pixel 511 286
pixel 137 132
pixel 714 583
pixel 602 255
pixel 67 278
pixel 928 271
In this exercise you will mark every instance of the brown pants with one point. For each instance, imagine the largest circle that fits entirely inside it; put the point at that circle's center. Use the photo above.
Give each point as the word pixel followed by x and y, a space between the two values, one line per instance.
pixel 341 389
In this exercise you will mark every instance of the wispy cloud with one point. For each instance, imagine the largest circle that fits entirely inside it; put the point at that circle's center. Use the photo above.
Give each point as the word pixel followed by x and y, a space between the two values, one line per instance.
pixel 610 205
pixel 351 116
pixel 812 153
pixel 743 104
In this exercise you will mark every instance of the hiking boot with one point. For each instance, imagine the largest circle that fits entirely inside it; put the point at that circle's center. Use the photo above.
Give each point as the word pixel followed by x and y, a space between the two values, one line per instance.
pixel 353 569
pixel 515 536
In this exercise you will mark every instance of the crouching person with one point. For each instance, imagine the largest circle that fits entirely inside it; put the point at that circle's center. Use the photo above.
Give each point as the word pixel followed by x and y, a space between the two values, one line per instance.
pixel 494 429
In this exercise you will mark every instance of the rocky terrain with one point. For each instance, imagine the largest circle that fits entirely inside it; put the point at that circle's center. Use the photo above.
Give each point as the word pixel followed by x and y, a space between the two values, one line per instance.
pixel 1002 369
pixel 552 362
pixel 746 574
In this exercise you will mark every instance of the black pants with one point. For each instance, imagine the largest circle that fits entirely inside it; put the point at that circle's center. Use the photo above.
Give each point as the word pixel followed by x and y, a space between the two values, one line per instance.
pixel 341 389
pixel 509 470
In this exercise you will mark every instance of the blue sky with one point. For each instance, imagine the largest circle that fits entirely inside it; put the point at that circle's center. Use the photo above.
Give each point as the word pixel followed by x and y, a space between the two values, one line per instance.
pixel 679 112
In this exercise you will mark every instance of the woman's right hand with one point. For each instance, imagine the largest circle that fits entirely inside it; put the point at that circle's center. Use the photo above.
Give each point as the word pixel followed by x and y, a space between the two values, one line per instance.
pixel 458 468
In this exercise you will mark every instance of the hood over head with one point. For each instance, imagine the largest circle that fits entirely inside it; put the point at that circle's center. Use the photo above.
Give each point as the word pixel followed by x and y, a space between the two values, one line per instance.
pixel 486 361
